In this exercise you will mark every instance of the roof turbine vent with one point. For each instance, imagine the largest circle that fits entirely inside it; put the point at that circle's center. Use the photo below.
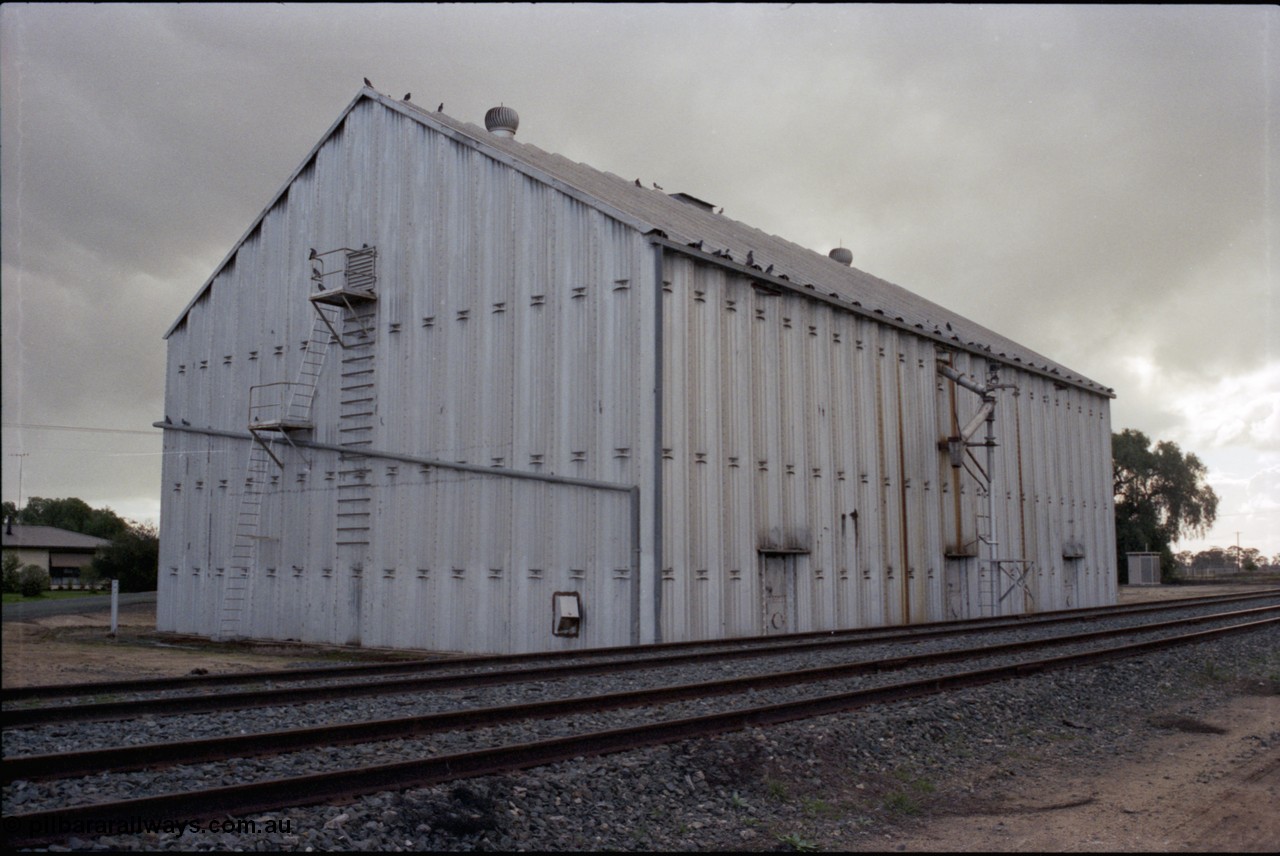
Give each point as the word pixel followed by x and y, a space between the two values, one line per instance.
pixel 502 121
pixel 842 255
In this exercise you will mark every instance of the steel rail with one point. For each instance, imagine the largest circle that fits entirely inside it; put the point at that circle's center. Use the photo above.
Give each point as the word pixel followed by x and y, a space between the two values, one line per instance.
pixel 713 647
pixel 176 705
pixel 96 761
pixel 119 817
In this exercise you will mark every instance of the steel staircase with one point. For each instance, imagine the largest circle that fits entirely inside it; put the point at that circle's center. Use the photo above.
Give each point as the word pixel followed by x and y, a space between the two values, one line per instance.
pixel 344 314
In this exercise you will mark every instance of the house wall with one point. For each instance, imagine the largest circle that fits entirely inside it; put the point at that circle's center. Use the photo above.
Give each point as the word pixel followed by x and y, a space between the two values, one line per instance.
pixel 31 556
pixel 509 333
pixel 800 433
pixel 56 563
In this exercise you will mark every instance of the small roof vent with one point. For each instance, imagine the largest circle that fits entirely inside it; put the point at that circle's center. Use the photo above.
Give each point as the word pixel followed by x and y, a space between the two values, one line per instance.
pixel 502 121
pixel 692 200
pixel 842 255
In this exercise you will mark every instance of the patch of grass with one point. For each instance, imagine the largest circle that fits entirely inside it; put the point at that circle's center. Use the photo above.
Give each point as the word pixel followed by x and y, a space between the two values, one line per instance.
pixel 795 842
pixel 776 789
pixel 907 800
pixel 915 782
pixel 12 597
pixel 818 807
pixel 900 802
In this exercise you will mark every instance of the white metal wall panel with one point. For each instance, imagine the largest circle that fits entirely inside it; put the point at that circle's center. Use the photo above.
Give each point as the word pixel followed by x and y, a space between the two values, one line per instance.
pixel 497 296
pixel 841 415
pixel 514 328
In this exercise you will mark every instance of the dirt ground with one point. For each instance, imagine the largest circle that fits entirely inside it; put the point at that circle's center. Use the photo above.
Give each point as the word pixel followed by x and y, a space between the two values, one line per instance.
pixel 75 648
pixel 1213 785
pixel 1188 792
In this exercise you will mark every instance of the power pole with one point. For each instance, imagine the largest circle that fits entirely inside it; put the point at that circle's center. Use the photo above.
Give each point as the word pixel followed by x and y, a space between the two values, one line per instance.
pixel 19 456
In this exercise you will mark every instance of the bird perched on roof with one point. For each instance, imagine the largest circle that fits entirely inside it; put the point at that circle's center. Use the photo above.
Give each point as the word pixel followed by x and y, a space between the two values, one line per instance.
pixel 367 83
pixel 768 270
pixel 948 325
pixel 313 253
pixel 751 257
pixel 697 245
pixel 638 184
pixel 406 96
pixel 657 186
pixel 440 109
pixel 721 211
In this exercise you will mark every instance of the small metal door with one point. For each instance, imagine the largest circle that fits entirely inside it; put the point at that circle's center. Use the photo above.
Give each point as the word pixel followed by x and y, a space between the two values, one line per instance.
pixel 778 576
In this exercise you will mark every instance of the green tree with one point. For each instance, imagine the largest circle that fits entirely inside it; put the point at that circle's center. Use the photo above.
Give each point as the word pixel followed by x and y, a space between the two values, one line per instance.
pixel 1160 496
pixel 33 581
pixel 70 513
pixel 133 558
pixel 12 566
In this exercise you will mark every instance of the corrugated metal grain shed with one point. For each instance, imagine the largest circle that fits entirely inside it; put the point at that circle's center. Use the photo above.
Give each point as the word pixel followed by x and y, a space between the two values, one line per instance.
pixel 560 382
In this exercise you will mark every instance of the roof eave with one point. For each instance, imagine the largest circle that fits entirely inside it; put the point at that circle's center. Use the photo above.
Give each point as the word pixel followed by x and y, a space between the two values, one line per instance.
pixel 811 293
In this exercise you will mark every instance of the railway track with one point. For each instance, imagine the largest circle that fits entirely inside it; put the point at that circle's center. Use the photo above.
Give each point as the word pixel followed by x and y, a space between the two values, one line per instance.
pixel 821 690
pixel 158 696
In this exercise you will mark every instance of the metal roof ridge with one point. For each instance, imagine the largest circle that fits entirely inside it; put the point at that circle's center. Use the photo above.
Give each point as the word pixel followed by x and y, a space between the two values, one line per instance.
pixel 504 149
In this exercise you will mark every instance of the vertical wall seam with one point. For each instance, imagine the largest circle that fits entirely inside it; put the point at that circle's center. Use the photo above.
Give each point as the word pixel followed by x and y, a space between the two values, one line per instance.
pixel 659 275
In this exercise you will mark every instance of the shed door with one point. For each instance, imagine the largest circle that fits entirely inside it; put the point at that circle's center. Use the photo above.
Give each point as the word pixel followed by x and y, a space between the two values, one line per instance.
pixel 778 584
pixel 956 577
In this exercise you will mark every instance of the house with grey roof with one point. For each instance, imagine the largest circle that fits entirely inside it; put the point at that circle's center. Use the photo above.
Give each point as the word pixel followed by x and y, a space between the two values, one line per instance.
pixel 453 392
pixel 63 554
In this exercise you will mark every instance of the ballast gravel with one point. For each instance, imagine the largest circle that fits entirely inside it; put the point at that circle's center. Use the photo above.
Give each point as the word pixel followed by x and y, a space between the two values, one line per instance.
pixel 830 778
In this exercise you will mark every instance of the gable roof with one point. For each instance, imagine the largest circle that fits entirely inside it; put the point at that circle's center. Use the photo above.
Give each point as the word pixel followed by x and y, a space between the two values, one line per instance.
pixel 688 225
pixel 48 538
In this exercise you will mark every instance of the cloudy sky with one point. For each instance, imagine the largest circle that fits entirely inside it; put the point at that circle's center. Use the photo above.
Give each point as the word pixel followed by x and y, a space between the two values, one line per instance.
pixel 1095 182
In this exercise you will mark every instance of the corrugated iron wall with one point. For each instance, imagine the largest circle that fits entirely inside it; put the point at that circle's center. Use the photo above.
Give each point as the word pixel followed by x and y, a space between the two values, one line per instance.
pixel 508 334
pixel 794 428
pixel 517 329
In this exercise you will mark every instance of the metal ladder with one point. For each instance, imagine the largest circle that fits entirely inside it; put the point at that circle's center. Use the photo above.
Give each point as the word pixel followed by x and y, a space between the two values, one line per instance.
pixel 258 472
pixel 235 592
pixel 988 570
pixel 304 388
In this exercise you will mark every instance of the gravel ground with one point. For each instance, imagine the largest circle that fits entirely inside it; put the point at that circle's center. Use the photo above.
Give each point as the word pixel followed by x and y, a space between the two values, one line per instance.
pixel 835 782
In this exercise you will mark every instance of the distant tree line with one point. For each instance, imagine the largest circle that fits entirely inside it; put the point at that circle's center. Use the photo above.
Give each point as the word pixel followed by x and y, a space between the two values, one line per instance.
pixel 132 557
pixel 1226 559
